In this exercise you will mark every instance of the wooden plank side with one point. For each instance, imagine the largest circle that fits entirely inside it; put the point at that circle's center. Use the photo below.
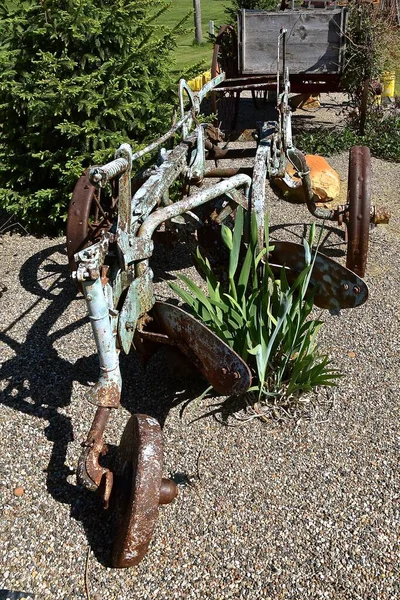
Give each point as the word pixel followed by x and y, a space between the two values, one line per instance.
pixel 313 41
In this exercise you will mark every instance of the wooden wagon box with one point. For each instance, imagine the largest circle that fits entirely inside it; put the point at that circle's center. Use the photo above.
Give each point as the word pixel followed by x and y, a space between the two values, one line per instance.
pixel 315 40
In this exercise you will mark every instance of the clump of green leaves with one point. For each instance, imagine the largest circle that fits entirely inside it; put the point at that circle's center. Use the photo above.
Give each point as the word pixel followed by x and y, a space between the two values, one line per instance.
pixel 326 142
pixel 382 136
pixel 372 47
pixel 77 79
pixel 263 317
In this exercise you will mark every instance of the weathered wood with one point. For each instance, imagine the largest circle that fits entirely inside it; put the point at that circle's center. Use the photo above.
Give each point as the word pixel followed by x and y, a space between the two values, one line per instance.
pixel 315 40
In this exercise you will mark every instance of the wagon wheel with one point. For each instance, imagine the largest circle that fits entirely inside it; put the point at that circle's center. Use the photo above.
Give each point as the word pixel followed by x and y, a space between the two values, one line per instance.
pixel 91 212
pixel 225 104
pixel 359 208
pixel 139 489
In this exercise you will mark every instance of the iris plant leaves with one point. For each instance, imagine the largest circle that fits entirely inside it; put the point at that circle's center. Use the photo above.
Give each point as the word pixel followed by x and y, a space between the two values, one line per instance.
pixel 262 316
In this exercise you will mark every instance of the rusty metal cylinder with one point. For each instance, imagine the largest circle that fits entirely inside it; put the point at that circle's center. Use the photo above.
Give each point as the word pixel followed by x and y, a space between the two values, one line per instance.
pixel 218 172
pixel 99 424
pixel 380 215
pixel 168 491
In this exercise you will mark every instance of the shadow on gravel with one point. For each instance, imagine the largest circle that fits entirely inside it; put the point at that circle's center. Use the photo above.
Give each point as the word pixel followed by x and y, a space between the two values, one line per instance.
pixel 39 382
pixel 332 241
pixel 166 254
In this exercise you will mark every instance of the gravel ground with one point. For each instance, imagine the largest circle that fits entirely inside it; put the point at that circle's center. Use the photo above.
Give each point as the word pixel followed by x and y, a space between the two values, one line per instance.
pixel 295 510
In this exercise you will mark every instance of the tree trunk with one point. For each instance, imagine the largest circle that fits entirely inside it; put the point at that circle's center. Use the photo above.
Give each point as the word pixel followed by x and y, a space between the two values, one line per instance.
pixel 197 21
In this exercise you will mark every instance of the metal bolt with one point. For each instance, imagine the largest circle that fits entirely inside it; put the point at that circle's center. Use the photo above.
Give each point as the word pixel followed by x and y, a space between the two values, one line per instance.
pixel 224 371
pixel 345 286
pixel 89 297
pixel 356 289
pixel 236 375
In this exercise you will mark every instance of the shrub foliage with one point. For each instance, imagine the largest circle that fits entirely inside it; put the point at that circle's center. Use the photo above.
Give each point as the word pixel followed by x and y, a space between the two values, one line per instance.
pixel 382 136
pixel 235 5
pixel 372 47
pixel 77 78
pixel 263 317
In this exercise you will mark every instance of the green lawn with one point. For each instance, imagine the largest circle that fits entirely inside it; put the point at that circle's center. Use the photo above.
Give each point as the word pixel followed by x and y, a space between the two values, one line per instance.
pixel 188 54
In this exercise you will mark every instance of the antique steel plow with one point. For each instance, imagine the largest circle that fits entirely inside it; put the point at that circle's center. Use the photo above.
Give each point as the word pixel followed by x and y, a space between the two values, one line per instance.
pixel 111 224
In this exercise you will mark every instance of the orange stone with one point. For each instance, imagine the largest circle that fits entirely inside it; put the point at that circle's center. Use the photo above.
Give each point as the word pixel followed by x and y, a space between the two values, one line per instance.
pixel 325 181
pixel 18 491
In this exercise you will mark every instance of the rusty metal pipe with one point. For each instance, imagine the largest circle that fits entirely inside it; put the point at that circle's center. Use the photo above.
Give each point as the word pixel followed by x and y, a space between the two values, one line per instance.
pixel 90 473
pixel 98 426
pixel 228 171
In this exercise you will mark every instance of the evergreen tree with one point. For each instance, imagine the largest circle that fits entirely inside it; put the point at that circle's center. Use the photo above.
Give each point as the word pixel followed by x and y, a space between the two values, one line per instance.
pixel 77 78
pixel 235 5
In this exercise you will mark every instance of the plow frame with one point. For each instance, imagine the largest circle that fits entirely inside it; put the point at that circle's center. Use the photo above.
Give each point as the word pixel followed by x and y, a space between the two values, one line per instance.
pixel 114 273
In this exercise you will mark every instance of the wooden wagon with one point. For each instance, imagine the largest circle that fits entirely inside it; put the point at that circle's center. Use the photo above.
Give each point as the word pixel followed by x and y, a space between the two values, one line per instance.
pixel 249 54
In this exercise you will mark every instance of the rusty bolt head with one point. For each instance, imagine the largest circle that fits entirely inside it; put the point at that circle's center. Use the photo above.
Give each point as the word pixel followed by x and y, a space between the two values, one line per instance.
pixel 168 491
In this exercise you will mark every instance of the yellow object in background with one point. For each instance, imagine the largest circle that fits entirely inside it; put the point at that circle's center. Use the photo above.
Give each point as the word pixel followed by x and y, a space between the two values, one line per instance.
pixel 197 83
pixel 388 79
